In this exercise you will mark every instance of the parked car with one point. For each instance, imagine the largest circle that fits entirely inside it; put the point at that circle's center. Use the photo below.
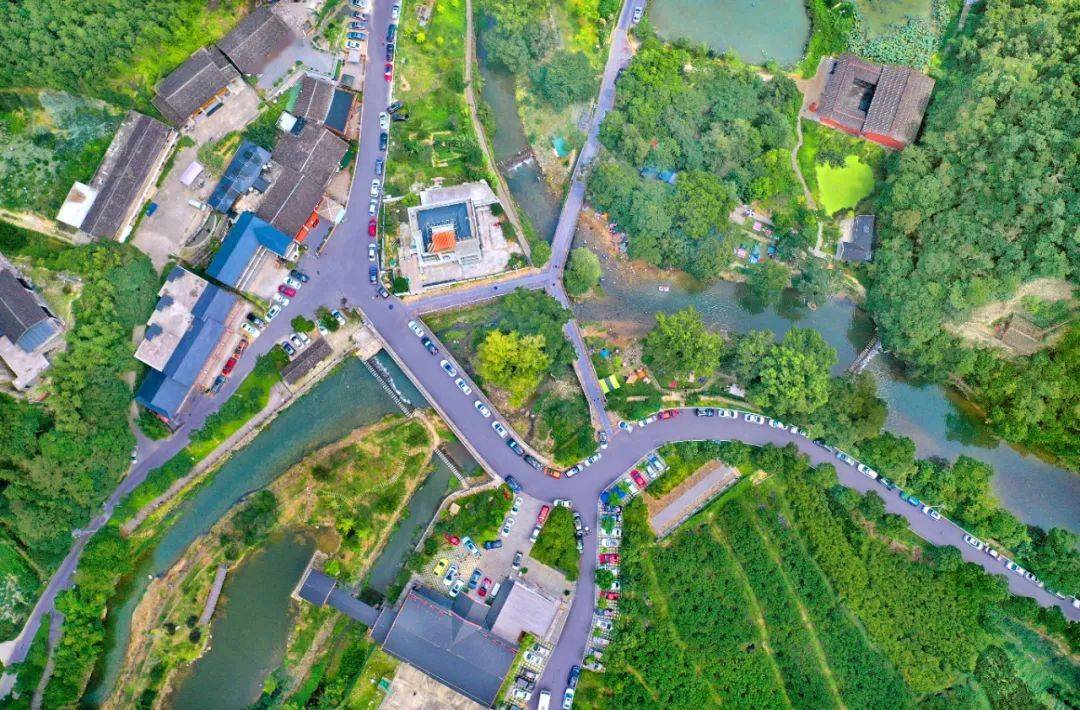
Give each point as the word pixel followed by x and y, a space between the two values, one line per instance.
pixel 474 578
pixel 383 293
pixel 609 558
pixel 356 36
pixel 639 479
pixel 512 484
pixel 391 32
pixel 371 252
pixel 388 71
pixel 553 473
pixel 542 516
pixel 358 25
pixel 499 429
pixel 416 329
pixel 289 349
pixel 394 107
pixel 889 485
pixel 281 299
pixel 372 227
pixel 373 207
pixel 507 525
pixel 299 276
pixel 373 274
pixel 451 575
pixel 338 316
pixel 456 587
pixel 573 471
pixel 866 470
pixel 533 461
pixel 384 140
pixel 376 185
pixel 286 290
pixel 390 52
pixel 492 544
pixel 384 122
pixel 593 459
pixel 669 413
pixel 452 540
pixel 626 426
pixel 299 340
pixel 974 542
pixel 470 545
pixel 399 117
pixel 704 412
pixel 395 11
pixel 515 447
pixel 429 345
pixel 380 166
pixel 927 510
pixel 440 567
pixel 575 674
pixel 272 312
pixel 482 408
pixel 462 386
pixel 256 320
pixel 516 564
pixel 516 506
pixel 250 329
pixel 610 596
pixel 352 44
pixel 230 364
pixel 485 585
pixel 777 424
pixel 448 368
pixel 638 12
pixel 219 382
pixel 754 418
pixel 845 458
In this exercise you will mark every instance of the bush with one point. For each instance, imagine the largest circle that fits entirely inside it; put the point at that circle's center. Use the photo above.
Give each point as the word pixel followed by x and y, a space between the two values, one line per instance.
pixel 557 546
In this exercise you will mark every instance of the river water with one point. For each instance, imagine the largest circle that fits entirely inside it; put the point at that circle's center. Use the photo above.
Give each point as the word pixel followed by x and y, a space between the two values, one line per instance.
pixel 348 398
pixel 755 30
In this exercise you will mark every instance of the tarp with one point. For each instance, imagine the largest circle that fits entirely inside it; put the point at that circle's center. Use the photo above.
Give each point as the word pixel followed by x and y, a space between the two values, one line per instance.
pixel 609 384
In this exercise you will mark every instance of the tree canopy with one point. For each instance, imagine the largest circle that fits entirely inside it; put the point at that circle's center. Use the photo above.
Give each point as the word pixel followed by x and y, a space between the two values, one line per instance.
pixel 792 378
pixel 566 78
pixel 680 345
pixel 514 362
pixel 522 35
pixel 582 272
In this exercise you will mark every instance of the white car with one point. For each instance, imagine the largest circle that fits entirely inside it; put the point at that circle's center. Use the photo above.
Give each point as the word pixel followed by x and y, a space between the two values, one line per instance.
pixel 282 299
pixel 638 12
pixel 384 121
pixel 250 329
pixel 448 368
pixel 371 252
pixel 482 408
pixel 927 510
pixel 352 44
pixel 395 11
pixel 867 471
pixel 290 281
pixel 372 208
pixel 974 542
pixel 516 507
pixel 508 525
pixel 776 424
pixel 754 418
pixel 375 185
pixel 272 313
pixel 499 429
pixel 462 386
pixel 728 413
pixel 416 329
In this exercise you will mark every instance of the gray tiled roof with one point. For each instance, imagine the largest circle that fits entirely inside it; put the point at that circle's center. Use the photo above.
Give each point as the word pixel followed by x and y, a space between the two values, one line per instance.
pixel 256 40
pixel 314 98
pixel 309 357
pixel 22 319
pixel 193 84
pixel 290 201
pixel 861 246
pixel 123 174
pixel 315 152
pixel 900 101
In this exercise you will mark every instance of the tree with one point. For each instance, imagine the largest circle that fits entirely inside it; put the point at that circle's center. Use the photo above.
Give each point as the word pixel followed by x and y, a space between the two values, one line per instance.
pixel 302 325
pixel 793 377
pixel 1055 557
pixel 891 455
pixel 745 356
pixel 582 272
pixel 604 578
pixel 514 362
pixel 767 282
pixel 680 346
pixel 566 78
pixel 537 313
pixel 853 412
pixel 814 284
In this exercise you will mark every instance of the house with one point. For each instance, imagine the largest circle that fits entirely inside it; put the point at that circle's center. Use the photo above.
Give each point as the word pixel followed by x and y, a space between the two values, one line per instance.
pixel 447 225
pixel 244 174
pixel 314 151
pixel 249 244
pixel 195 85
pixel 860 247
pixel 882 103
pixel 306 157
pixel 519 609
pixel 1022 336
pixel 255 40
pixel 320 101
pixel 291 202
pixel 431 635
pixel 190 333
pixel 28 329
pixel 106 208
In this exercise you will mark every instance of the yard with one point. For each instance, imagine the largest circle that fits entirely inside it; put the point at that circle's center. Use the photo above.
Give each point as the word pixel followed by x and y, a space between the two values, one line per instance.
pixel 438 140
pixel 844 187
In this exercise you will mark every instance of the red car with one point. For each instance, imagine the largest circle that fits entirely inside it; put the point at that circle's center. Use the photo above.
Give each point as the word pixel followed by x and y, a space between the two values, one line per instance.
pixel 610 596
pixel 609 558
pixel 639 479
pixel 669 413
pixel 286 290
pixel 542 515
pixel 453 539
pixel 388 71
pixel 484 586
pixel 229 366
pixel 371 227
pixel 240 347
pixel 553 473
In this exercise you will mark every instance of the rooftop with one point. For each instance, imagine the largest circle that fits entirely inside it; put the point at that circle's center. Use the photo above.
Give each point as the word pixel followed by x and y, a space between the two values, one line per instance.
pixel 133 156
pixel 193 84
pixel 861 246
pixel 172 317
pixel 255 40
pixel 458 653
pixel 443 226
pixel 306 361
pixel 23 320
pixel 242 175
pixel 314 98
pixel 290 201
pixel 240 245
pixel 521 609
pixel 315 151
pixel 337 116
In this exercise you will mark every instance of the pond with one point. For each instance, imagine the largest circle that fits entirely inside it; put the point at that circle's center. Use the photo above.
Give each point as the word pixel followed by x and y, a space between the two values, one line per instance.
pixel 348 398
pixel 879 14
pixel 939 422
pixel 756 30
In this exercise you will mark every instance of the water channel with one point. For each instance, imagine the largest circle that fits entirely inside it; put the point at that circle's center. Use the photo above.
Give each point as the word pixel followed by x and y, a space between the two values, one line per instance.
pixel 348 398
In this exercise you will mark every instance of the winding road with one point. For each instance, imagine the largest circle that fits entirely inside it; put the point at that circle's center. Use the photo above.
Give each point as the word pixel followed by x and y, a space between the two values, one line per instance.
pixel 339 280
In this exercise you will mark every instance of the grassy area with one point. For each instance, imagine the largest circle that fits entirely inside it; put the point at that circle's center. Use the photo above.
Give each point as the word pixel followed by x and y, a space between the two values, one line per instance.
pixel 683 459
pixel 366 694
pixel 48 140
pixel 19 585
pixel 843 188
pixel 556 546
pixel 438 139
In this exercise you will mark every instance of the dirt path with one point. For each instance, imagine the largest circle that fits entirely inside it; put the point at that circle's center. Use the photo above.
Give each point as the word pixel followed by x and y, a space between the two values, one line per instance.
pixel 470 98
pixel 798 173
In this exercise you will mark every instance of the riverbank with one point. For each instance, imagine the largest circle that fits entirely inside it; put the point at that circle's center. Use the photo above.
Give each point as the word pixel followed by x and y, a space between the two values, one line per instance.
pixel 323 492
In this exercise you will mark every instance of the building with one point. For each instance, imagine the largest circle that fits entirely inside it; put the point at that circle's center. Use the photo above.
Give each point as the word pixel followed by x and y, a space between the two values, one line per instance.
pixel 320 101
pixel 28 329
pixel 190 333
pixel 307 157
pixel 860 247
pixel 882 103
pixel 429 634
pixel 195 85
pixel 255 40
pixel 519 609
pixel 447 225
pixel 106 208
pixel 244 174
pixel 291 203
pixel 249 244
pixel 313 151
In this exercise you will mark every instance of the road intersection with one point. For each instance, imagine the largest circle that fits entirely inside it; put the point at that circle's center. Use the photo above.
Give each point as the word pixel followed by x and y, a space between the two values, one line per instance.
pixel 339 280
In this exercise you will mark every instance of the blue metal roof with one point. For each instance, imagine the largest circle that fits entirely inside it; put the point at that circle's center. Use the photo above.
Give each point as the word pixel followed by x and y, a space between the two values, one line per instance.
pixel 457 214
pixel 36 335
pixel 239 177
pixel 241 244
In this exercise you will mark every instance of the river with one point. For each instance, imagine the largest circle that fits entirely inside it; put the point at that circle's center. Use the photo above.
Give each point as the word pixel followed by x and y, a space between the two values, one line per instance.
pixel 755 30
pixel 348 398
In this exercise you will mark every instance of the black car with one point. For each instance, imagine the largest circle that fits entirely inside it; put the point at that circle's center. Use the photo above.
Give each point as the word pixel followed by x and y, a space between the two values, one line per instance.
pixel 531 460
pixel 492 544
pixel 300 276
pixel 575 673
pixel 390 52
pixel 431 347
pixel 379 165
pixel 705 412
pixel 403 116
pixel 394 107
pixel 517 560
pixel 512 483
pixel 391 32
pixel 373 274
pixel 384 140
pixel 383 293
pixel 515 447
pixel 289 349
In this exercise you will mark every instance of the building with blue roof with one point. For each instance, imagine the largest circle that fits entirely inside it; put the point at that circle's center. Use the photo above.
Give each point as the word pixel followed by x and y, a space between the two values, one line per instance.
pixel 187 337
pixel 243 175
pixel 28 329
pixel 249 243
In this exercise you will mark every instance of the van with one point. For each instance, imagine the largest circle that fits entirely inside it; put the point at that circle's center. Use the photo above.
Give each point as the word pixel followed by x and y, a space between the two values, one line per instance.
pixel 545 700
pixel 197 204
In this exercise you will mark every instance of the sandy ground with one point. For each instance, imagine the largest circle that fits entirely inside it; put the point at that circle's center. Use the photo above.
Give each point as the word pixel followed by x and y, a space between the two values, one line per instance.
pixel 979 328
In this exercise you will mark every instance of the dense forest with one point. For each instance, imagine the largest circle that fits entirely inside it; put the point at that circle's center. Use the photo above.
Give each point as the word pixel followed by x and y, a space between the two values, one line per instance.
pixel 811 604
pixel 989 199
pixel 718 126
pixel 115 50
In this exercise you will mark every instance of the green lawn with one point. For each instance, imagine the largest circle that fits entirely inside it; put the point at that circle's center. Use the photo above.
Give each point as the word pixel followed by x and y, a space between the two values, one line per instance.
pixel 843 188
pixel 556 546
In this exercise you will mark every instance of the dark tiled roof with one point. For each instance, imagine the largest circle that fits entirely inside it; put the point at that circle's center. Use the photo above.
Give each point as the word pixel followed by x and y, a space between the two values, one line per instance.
pixel 193 84
pixel 337 117
pixel 315 152
pixel 290 201
pixel 241 175
pixel 454 651
pixel 123 174
pixel 317 587
pixel 456 214
pixel 848 91
pixel 240 246
pixel 314 98
pixel 309 357
pixel 22 319
pixel 256 40
pixel 861 246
